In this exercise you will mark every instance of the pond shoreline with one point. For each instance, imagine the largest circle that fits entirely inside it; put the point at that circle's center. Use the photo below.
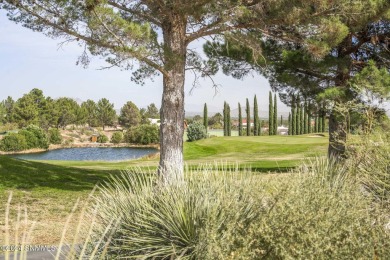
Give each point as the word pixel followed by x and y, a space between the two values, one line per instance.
pixel 80 145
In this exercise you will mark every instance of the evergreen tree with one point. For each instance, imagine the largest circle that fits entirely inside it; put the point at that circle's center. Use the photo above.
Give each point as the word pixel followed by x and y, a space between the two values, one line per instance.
pixel 275 114
pixel 130 115
pixel 259 127
pixel 315 124
pixel 305 118
pixel 309 127
pixel 298 116
pixel 248 118
pixel 105 112
pixel 302 121
pixel 270 115
pixel 225 129
pixel 205 117
pixel 255 117
pixel 289 124
pixel 228 122
pixel 239 120
pixel 293 117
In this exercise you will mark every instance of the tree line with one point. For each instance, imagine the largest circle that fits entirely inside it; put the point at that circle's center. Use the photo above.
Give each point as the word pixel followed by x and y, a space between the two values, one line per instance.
pixel 304 118
pixel 34 108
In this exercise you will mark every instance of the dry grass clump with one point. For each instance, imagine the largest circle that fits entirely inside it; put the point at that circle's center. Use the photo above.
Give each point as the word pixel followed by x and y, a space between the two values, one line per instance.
pixel 319 212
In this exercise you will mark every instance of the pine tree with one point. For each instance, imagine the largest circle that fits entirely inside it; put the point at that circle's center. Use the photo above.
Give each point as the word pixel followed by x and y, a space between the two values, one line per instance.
pixel 248 118
pixel 255 117
pixel 239 120
pixel 270 115
pixel 205 117
pixel 275 114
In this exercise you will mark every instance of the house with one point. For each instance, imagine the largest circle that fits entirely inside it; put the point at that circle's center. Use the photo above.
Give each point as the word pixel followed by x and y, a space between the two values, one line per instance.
pixel 154 121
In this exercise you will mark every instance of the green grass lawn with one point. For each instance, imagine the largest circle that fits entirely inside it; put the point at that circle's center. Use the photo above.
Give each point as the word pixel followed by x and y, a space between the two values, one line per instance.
pixel 49 189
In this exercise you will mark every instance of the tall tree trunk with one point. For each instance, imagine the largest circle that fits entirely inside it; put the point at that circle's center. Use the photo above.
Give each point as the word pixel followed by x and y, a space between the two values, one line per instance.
pixel 172 108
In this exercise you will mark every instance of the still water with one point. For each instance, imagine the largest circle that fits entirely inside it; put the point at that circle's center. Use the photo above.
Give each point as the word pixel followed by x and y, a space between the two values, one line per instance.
pixel 90 154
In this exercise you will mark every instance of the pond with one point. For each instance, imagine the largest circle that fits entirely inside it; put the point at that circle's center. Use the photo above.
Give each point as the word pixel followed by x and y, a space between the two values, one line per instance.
pixel 90 154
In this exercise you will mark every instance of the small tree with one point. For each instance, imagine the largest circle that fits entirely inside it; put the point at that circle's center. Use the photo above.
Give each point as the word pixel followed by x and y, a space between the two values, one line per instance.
pixel 105 112
pixel 116 138
pixel 289 124
pixel 302 121
pixel 129 115
pixel 305 118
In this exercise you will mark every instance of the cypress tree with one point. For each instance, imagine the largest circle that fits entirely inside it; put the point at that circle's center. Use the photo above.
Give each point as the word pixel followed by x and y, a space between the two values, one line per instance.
pixel 323 118
pixel 229 123
pixel 248 118
pixel 275 116
pixel 308 118
pixel 302 120
pixel 298 116
pixel 318 124
pixel 255 117
pixel 281 120
pixel 315 124
pixel 289 124
pixel 205 117
pixel 293 117
pixel 224 119
pixel 239 120
pixel 305 118
pixel 270 115
pixel 259 128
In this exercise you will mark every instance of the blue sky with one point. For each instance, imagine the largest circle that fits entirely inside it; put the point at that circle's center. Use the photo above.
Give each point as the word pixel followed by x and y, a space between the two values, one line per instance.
pixel 31 60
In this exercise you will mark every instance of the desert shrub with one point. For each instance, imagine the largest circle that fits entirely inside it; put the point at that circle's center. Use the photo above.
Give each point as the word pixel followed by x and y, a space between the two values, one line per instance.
pixel 196 131
pixel 55 136
pixel 43 141
pixel 369 161
pixel 315 214
pixel 142 134
pixel 31 139
pixel 102 138
pixel 13 142
pixel 116 138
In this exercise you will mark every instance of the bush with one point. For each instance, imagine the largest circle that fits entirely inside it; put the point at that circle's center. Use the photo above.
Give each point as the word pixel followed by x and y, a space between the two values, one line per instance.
pixel 31 139
pixel 43 141
pixel 116 138
pixel 143 134
pixel 55 136
pixel 196 131
pixel 13 143
pixel 369 161
pixel 102 138
pixel 315 214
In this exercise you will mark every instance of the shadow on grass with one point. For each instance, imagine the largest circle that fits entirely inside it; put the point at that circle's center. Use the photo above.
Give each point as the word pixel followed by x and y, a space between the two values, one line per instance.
pixel 27 175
